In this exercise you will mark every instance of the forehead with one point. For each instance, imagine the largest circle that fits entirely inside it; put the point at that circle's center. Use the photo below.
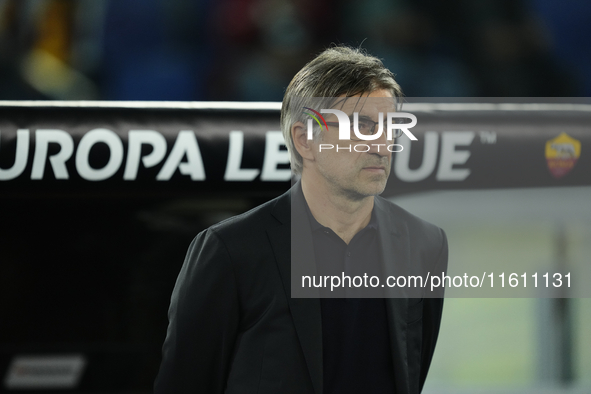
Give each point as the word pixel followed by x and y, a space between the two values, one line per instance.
pixel 369 104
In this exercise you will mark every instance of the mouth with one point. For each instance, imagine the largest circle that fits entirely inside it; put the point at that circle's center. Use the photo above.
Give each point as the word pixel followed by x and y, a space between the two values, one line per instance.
pixel 376 169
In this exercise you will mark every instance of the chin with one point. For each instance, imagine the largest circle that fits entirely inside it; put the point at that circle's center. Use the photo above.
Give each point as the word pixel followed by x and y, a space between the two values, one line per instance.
pixel 376 186
pixel 371 190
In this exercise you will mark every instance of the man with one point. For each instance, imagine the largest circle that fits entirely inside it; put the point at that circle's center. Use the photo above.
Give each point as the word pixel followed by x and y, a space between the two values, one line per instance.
pixel 234 325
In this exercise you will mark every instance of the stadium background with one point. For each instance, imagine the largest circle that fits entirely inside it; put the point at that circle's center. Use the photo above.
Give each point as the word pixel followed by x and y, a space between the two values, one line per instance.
pixel 95 271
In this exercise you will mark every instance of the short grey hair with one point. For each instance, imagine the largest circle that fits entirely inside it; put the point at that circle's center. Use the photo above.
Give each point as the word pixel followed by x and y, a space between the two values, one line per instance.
pixel 338 71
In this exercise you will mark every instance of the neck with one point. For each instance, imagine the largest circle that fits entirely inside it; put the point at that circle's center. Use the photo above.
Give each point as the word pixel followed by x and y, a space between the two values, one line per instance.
pixel 341 213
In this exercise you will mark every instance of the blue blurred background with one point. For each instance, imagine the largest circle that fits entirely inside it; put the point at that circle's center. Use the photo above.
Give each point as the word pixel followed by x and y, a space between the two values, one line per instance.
pixel 250 49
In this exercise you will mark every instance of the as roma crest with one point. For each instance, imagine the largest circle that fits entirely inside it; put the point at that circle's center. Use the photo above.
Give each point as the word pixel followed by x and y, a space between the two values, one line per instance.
pixel 562 154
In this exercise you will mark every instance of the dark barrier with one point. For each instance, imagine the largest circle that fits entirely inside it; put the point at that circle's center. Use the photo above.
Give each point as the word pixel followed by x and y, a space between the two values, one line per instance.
pixel 100 201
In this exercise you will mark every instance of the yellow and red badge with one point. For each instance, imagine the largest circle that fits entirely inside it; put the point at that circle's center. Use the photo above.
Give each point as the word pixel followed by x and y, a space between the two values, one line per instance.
pixel 562 154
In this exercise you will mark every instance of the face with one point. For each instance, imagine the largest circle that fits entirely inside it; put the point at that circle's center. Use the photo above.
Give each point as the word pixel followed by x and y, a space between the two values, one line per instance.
pixel 362 173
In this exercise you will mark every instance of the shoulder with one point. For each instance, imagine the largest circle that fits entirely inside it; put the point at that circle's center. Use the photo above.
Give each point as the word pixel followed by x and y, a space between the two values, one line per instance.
pixel 251 227
pixel 238 244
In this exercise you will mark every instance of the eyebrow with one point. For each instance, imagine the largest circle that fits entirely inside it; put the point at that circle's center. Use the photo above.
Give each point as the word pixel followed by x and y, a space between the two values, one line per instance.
pixel 361 118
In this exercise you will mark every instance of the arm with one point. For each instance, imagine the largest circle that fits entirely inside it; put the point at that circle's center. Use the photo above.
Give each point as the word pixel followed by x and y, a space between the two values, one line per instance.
pixel 432 312
pixel 203 321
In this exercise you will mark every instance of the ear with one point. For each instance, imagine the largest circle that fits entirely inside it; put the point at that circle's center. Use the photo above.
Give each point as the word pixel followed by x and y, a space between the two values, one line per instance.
pixel 305 147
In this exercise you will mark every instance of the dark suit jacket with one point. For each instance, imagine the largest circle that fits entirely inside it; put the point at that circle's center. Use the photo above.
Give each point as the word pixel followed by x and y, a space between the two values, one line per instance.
pixel 234 328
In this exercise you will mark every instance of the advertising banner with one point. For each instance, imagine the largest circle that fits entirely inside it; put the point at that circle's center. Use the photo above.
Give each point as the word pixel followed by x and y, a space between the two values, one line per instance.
pixel 215 148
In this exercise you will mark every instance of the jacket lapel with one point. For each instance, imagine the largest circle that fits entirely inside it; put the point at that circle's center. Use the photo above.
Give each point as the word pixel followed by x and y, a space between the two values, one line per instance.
pixel 395 248
pixel 305 312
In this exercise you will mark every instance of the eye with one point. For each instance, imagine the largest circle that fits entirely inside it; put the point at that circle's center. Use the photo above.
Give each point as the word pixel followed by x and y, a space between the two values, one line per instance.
pixel 364 127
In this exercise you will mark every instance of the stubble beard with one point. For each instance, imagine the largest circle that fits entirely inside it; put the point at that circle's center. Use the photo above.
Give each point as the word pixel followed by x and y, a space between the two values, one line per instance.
pixel 358 189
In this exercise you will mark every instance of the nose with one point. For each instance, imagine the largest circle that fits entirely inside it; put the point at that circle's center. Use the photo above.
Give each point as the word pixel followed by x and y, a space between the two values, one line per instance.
pixel 380 146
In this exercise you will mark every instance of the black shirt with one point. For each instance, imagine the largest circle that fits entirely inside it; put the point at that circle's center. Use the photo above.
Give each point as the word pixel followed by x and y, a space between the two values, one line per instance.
pixel 355 338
